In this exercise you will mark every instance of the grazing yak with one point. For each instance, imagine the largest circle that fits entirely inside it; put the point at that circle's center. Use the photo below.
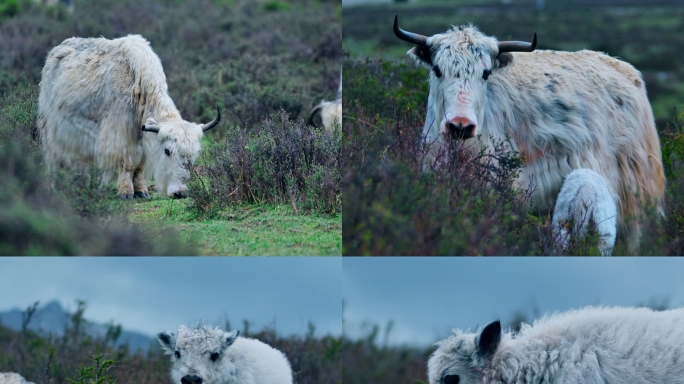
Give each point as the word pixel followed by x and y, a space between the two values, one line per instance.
pixel 591 346
pixel 205 355
pixel 559 110
pixel 105 102
pixel 584 199
pixel 331 111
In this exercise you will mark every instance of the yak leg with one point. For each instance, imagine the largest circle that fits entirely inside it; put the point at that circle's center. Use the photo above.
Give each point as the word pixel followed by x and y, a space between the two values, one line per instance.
pixel 139 184
pixel 125 182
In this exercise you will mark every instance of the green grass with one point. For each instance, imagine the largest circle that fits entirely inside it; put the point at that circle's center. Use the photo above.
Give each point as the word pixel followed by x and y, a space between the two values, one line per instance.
pixel 244 230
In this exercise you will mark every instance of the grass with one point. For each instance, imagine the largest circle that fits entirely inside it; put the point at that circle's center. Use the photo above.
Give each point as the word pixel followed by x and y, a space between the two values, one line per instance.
pixel 246 230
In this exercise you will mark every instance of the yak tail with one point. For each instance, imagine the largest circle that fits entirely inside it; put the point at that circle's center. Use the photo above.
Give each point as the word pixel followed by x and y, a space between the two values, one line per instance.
pixel 314 111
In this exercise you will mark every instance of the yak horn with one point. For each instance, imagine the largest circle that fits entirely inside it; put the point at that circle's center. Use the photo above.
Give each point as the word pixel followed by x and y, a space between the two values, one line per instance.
pixel 213 123
pixel 409 36
pixel 518 46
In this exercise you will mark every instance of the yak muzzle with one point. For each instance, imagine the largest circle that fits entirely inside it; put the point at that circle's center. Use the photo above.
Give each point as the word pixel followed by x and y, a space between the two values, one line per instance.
pixel 460 128
pixel 191 379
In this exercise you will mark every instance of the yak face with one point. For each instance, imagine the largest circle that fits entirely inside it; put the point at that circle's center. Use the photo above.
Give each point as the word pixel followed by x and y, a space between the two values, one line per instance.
pixel 198 354
pixel 173 151
pixel 460 359
pixel 461 62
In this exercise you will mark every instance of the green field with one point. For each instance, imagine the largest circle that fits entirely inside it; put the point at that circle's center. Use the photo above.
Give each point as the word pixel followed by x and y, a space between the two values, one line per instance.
pixel 248 230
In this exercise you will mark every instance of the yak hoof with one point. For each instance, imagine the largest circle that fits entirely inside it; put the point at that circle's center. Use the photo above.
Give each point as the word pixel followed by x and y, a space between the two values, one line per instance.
pixel 124 197
pixel 141 195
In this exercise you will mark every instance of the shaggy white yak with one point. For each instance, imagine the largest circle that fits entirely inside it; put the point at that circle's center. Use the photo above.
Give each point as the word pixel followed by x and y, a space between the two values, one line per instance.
pixel 593 345
pixel 106 103
pixel 584 199
pixel 331 111
pixel 12 378
pixel 559 110
pixel 202 355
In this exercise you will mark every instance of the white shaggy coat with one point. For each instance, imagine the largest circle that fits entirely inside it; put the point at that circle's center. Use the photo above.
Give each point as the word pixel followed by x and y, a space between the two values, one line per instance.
pixel 584 199
pixel 12 378
pixel 331 111
pixel 239 360
pixel 95 95
pixel 559 110
pixel 589 346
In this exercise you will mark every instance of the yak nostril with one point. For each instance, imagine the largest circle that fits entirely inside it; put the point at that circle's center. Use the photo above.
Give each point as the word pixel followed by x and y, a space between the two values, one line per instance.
pixel 457 130
pixel 179 195
pixel 191 379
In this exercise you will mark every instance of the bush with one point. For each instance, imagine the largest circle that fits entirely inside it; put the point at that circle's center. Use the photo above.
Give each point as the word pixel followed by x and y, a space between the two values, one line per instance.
pixel 282 162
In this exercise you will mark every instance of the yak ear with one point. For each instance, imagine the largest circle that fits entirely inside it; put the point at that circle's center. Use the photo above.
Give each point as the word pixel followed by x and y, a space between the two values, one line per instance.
pixel 151 125
pixel 167 340
pixel 489 339
pixel 230 338
pixel 421 55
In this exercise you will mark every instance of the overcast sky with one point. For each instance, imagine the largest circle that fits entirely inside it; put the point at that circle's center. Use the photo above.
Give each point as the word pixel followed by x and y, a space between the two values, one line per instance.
pixel 426 297
pixel 153 294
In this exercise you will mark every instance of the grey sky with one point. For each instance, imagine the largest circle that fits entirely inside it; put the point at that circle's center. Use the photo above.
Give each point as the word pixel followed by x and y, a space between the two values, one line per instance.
pixel 426 297
pixel 152 294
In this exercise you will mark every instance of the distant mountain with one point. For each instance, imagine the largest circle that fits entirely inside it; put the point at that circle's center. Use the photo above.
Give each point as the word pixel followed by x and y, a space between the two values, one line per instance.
pixel 52 318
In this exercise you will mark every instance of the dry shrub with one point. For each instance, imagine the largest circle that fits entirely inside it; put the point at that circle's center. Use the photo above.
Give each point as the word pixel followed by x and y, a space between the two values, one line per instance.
pixel 281 162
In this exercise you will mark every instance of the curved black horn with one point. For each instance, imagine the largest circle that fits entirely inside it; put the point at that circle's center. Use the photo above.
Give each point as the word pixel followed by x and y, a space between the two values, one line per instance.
pixel 409 36
pixel 213 123
pixel 518 46
pixel 150 129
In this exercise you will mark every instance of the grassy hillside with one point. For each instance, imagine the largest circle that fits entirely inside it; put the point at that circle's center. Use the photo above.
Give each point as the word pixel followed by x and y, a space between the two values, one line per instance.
pixel 263 172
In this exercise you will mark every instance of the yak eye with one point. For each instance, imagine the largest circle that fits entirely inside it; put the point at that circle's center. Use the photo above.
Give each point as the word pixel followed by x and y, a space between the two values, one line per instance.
pixel 438 73
pixel 214 356
pixel 177 355
pixel 168 153
pixel 452 379
pixel 486 73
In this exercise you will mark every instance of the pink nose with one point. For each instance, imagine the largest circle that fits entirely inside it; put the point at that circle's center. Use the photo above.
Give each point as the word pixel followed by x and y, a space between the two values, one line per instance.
pixel 461 128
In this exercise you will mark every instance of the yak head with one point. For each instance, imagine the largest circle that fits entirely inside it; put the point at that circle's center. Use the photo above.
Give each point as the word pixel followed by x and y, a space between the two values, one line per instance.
pixel 461 62
pixel 198 354
pixel 461 358
pixel 172 153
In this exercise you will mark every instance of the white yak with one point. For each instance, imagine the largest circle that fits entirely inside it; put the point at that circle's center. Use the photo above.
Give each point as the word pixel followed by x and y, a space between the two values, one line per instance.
pixel 106 103
pixel 593 345
pixel 585 199
pixel 202 355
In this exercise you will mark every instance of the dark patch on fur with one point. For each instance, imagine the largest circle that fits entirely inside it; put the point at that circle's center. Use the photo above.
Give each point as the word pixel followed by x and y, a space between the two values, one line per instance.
pixel 553 82
pixel 557 110
pixel 504 59
pixel 423 53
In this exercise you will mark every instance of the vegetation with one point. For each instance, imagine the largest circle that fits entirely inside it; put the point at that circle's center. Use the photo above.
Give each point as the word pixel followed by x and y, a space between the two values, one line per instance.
pixel 76 357
pixel 393 208
pixel 258 61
